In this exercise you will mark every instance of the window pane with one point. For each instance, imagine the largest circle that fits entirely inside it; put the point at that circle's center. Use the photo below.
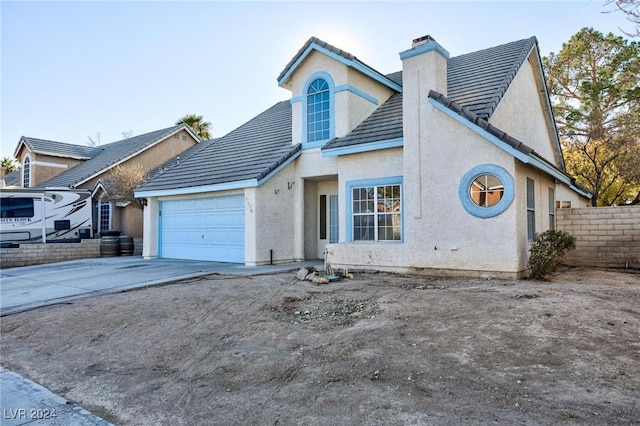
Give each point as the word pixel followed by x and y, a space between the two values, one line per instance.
pixel 486 190
pixel 363 228
pixel 531 197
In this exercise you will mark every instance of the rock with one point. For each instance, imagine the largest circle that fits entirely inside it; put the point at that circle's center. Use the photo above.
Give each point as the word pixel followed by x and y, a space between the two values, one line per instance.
pixel 311 276
pixel 320 280
pixel 302 274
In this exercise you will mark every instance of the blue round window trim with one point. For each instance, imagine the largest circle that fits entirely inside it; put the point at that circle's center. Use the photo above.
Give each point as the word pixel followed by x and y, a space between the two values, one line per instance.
pixel 486 212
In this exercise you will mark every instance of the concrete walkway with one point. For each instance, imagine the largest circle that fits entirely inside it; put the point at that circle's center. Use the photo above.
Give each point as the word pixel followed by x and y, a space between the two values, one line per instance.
pixel 30 287
pixel 26 402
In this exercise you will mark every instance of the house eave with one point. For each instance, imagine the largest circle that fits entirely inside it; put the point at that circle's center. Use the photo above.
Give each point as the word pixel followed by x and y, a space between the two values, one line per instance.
pixel 355 64
pixel 363 147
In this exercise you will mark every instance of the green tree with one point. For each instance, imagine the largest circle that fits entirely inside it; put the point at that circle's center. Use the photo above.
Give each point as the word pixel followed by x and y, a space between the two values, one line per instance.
pixel 197 124
pixel 594 83
pixel 8 165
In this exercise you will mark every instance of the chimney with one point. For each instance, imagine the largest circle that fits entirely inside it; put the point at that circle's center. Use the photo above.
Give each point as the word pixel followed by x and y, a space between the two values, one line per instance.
pixel 424 67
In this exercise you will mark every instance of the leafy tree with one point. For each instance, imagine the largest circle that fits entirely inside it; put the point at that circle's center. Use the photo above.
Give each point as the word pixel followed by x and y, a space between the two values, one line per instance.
pixel 594 83
pixel 197 124
pixel 122 182
pixel 8 165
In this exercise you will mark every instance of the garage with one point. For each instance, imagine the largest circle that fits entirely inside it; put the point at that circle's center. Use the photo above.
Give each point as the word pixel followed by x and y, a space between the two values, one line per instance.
pixel 202 229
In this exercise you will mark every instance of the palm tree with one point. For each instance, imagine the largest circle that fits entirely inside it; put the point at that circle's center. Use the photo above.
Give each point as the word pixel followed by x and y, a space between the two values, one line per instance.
pixel 8 165
pixel 199 127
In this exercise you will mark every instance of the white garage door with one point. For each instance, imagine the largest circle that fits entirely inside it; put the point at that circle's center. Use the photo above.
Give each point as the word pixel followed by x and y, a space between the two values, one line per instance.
pixel 203 229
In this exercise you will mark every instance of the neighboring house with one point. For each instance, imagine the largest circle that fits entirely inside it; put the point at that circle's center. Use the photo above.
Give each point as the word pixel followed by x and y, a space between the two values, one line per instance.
pixel 46 164
pixel 451 164
pixel 11 179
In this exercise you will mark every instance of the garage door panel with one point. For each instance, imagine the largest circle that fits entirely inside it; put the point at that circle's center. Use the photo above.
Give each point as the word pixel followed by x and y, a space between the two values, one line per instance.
pixel 203 229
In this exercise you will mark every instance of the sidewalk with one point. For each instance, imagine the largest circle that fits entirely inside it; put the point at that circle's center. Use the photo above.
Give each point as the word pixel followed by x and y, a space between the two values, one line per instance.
pixel 25 402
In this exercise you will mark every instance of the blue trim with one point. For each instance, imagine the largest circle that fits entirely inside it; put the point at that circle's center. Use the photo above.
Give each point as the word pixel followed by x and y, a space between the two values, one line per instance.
pixel 296 99
pixel 363 147
pixel 280 167
pixel 349 185
pixel 424 48
pixel 486 212
pixel 355 91
pixel 313 77
pixel 354 64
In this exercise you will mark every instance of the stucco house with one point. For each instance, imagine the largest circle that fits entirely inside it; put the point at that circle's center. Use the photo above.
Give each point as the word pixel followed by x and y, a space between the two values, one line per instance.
pixel 451 164
pixel 51 164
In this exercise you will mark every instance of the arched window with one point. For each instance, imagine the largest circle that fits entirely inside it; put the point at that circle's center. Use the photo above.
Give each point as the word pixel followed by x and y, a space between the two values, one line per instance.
pixel 318 111
pixel 26 173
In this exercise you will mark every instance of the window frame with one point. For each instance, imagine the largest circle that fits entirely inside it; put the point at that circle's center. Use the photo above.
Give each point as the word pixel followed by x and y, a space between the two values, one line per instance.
pixel 110 216
pixel 306 143
pixel 531 208
pixel 375 183
pixel 552 209
pixel 486 212
pixel 26 172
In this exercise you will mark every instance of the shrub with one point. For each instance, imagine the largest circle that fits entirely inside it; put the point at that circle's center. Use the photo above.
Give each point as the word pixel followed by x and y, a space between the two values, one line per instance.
pixel 547 250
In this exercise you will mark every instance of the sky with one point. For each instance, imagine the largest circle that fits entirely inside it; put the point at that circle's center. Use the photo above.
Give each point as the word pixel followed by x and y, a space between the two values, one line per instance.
pixel 70 70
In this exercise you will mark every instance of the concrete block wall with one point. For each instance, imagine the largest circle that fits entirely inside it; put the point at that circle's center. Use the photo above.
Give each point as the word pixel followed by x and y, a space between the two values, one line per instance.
pixel 36 254
pixel 605 236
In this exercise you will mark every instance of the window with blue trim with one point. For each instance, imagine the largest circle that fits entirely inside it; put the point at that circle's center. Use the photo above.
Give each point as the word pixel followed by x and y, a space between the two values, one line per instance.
pixel 377 214
pixel 318 111
pixel 486 191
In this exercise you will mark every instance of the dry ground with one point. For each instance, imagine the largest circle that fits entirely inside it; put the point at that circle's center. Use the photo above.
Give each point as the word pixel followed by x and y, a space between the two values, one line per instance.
pixel 381 349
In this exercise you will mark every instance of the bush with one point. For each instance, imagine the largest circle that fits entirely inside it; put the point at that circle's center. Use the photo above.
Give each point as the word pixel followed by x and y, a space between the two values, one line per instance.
pixel 547 250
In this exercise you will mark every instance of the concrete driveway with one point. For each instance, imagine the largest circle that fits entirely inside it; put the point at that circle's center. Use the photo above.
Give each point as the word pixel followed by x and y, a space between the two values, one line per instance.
pixel 29 287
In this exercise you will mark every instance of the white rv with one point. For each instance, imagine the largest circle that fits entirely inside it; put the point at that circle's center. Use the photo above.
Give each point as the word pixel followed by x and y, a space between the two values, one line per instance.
pixel 45 215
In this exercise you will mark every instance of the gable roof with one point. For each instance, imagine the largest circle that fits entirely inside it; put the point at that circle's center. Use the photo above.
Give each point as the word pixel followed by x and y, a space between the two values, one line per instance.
pixel 242 158
pixel 511 145
pixel 476 80
pixel 111 155
pixel 315 44
pixel 57 149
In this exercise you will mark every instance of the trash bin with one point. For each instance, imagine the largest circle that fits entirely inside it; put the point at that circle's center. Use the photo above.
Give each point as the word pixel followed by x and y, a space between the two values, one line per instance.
pixel 126 245
pixel 109 244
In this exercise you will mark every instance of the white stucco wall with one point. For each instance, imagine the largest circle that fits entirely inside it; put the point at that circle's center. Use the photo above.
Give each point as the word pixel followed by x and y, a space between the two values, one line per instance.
pixel 439 234
pixel 270 219
pixel 521 114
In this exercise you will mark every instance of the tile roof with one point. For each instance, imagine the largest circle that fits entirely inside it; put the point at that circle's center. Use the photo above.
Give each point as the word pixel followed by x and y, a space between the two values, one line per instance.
pixel 479 80
pixel 251 151
pixel 12 178
pixel 111 155
pixel 60 149
pixel 169 164
pixel 476 80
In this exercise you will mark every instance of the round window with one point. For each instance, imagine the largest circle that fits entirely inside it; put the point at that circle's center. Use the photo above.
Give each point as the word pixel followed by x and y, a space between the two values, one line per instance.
pixel 486 191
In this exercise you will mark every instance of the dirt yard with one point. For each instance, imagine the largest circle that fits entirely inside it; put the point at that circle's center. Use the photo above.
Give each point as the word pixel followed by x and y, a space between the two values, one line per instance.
pixel 381 349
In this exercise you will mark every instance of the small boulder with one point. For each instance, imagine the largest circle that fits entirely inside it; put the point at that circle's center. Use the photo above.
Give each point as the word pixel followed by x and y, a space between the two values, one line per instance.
pixel 302 274
pixel 320 280
pixel 311 276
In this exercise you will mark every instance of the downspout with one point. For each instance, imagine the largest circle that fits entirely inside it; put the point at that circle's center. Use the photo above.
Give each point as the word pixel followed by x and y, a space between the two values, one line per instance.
pixel 44 219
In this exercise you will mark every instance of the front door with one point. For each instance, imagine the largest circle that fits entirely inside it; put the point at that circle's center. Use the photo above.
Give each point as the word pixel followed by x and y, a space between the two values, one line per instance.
pixel 327 221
